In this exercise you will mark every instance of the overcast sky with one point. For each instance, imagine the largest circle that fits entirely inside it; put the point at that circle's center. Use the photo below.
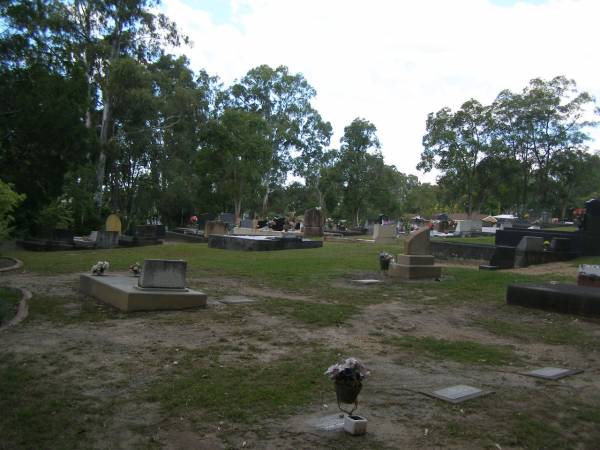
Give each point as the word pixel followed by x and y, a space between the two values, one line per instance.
pixel 394 61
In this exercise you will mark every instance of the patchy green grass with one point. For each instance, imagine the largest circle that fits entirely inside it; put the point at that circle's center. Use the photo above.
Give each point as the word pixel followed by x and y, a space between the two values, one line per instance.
pixel 560 330
pixel 9 300
pixel 466 352
pixel 244 392
pixel 310 313
pixel 68 310
pixel 38 411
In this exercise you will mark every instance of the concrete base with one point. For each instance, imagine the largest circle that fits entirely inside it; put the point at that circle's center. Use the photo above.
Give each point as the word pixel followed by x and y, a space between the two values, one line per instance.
pixel 406 272
pixel 562 298
pixel 122 292
pixel 415 260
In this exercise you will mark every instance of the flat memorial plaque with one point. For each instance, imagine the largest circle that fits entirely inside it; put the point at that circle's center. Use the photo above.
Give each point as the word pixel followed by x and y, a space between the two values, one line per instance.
pixel 369 281
pixel 552 373
pixel 458 393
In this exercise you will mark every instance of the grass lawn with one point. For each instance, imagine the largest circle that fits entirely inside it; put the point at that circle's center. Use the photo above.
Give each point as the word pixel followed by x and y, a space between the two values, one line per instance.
pixel 80 374
pixel 9 299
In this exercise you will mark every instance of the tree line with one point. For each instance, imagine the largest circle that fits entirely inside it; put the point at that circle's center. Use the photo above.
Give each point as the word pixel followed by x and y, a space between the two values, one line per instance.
pixel 97 117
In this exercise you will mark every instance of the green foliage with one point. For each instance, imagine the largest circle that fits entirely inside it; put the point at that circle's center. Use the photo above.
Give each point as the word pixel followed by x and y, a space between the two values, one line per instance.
pixel 9 200
pixel 58 214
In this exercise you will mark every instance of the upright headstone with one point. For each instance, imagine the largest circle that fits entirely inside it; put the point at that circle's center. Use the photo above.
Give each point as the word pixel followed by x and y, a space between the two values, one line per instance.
pixel 163 274
pixel 417 261
pixel 113 223
pixel 384 234
pixel 215 227
pixel 591 228
pixel 107 239
pixel 529 251
pixel 313 222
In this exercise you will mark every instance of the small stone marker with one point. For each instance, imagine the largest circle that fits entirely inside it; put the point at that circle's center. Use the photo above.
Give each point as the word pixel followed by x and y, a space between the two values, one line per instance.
pixel 113 223
pixel 552 373
pixel 163 274
pixel 236 300
pixel 458 393
pixel 367 282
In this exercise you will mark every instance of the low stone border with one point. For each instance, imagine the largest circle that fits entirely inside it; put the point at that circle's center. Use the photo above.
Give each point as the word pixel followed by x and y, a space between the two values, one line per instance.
pixel 22 311
pixel 17 265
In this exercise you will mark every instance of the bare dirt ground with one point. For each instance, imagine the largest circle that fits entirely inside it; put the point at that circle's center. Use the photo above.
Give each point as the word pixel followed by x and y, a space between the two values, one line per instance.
pixel 113 361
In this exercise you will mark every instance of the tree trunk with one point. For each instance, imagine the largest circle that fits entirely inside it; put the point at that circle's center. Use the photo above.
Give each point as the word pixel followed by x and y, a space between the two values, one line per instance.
pixel 237 210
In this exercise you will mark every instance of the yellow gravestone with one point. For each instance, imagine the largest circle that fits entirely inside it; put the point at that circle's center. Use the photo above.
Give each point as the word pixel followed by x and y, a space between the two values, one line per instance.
pixel 113 223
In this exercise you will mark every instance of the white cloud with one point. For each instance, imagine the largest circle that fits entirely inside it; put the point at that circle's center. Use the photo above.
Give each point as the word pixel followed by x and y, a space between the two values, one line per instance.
pixel 393 62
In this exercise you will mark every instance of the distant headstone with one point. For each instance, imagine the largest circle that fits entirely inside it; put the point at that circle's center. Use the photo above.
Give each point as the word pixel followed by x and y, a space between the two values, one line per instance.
pixel 248 223
pixel 163 274
pixel 215 227
pixel 592 216
pixel 227 218
pixel 113 223
pixel 417 262
pixel 529 251
pixel 107 239
pixel 418 243
pixel 384 234
pixel 313 222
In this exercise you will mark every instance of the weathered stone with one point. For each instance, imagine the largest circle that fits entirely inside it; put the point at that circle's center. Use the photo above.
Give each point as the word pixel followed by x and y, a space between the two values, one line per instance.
pixel 531 244
pixel 215 227
pixel 384 234
pixel 418 243
pixel 163 274
pixel 107 239
pixel 459 393
pixel 313 222
pixel 113 223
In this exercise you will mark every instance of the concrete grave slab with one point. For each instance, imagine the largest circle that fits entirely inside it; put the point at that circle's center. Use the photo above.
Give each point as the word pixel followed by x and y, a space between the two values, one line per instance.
pixel 123 293
pixel 458 393
pixel 552 373
pixel 562 298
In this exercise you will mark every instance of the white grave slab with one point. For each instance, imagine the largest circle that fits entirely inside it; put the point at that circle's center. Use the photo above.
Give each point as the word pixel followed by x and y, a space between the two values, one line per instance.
pixel 552 373
pixel 458 393
pixel 367 281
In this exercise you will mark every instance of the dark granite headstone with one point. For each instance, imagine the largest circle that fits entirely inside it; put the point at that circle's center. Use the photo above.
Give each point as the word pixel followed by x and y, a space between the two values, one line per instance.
pixel 62 235
pixel 227 218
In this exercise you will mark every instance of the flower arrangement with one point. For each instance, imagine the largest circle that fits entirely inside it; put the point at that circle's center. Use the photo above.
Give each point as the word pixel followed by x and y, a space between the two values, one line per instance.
pixel 384 260
pixel 136 269
pixel 100 267
pixel 546 245
pixel 347 378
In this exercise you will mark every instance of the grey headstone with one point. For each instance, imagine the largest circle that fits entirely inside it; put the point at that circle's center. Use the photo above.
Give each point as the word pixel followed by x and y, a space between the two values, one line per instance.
pixel 458 393
pixel 531 244
pixel 552 373
pixel 163 274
